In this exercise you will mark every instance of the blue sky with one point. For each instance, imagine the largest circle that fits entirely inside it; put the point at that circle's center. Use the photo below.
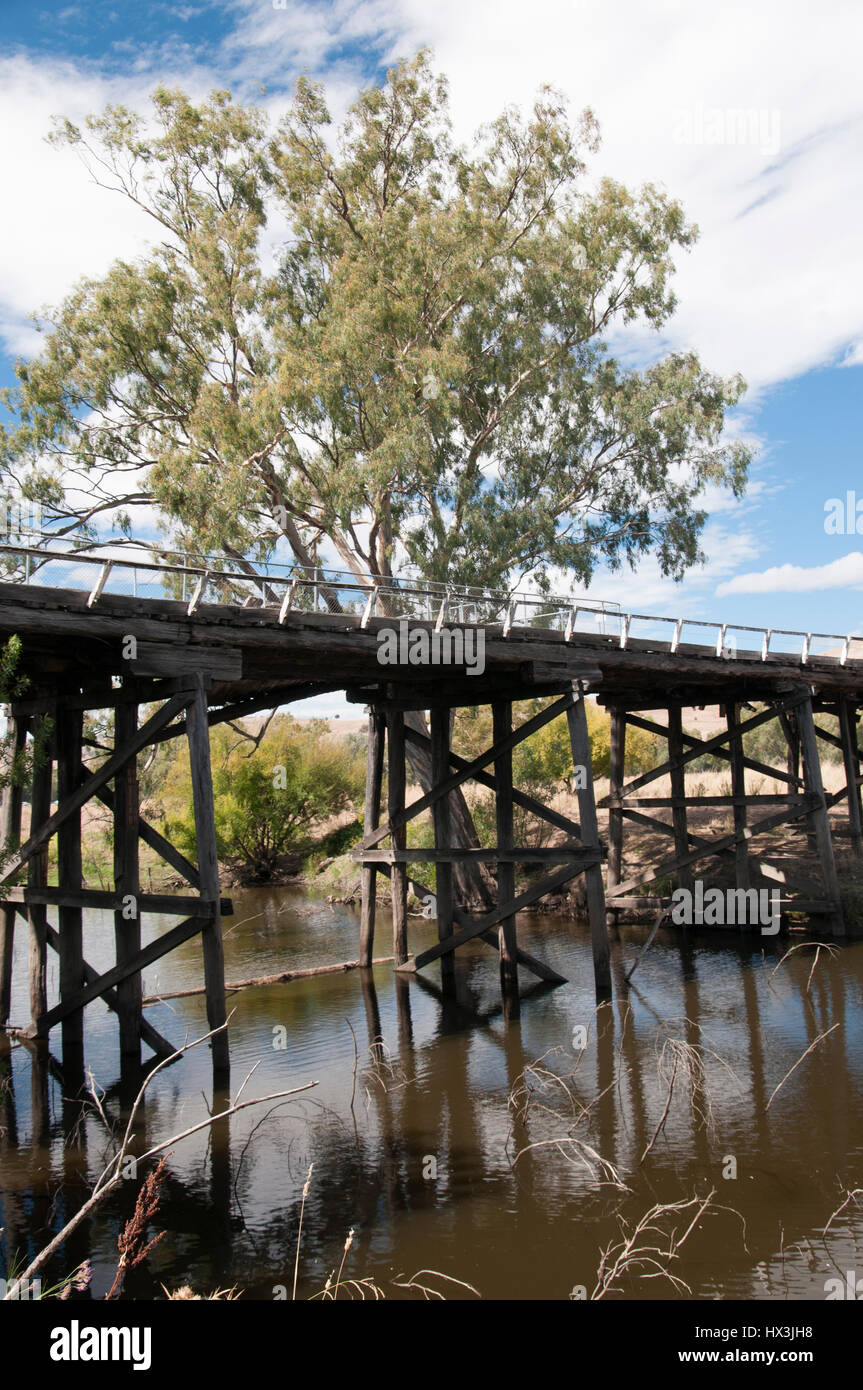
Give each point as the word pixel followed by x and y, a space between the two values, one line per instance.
pixel 752 116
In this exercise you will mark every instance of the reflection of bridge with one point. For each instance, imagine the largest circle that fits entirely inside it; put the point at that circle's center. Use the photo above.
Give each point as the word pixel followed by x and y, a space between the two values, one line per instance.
pixel 212 642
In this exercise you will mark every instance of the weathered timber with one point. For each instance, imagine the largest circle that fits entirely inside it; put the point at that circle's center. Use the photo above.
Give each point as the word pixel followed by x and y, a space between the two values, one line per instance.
pixel 165 659
pixel 72 803
pixel 10 839
pixel 738 788
pixel 68 742
pixel 397 822
pixel 127 917
pixel 507 943
pixel 617 758
pixel 198 734
pixel 465 773
pixel 554 854
pixel 153 951
pixel 37 875
pixel 111 900
pixel 851 760
pixel 678 792
pixel 371 818
pixel 440 756
pixel 818 816
pixel 579 739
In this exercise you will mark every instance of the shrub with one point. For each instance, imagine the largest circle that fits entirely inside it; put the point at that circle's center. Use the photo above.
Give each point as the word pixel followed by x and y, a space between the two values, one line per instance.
pixel 267 798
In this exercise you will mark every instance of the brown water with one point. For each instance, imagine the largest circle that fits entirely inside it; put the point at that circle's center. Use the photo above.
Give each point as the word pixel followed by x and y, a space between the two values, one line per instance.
pixel 516 1208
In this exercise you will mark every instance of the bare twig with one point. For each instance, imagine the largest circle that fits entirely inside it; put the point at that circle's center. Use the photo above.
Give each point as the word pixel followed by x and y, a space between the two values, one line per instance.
pixel 112 1175
pixel 814 1043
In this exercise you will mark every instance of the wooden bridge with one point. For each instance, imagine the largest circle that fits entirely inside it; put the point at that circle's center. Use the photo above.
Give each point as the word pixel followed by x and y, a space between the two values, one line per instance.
pixel 209 642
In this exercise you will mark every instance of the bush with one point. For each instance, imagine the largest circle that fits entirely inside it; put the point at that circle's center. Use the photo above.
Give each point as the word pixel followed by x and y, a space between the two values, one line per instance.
pixel 267 798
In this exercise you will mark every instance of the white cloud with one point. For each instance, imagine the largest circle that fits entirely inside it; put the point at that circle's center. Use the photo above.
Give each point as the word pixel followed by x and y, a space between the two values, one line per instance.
pixel 845 573
pixel 765 290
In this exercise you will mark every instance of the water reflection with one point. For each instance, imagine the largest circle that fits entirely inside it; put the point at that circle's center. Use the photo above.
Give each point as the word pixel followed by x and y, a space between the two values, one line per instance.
pixel 454 1135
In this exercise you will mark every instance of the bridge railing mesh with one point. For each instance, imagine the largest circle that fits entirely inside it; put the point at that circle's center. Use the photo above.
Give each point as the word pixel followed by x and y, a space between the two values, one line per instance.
pixel 198 580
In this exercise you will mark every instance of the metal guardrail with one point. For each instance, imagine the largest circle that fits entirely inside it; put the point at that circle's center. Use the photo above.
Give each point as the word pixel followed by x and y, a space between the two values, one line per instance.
pixel 289 588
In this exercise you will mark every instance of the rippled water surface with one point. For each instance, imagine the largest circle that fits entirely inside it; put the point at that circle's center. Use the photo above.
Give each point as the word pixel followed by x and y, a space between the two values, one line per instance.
pixel 499 1152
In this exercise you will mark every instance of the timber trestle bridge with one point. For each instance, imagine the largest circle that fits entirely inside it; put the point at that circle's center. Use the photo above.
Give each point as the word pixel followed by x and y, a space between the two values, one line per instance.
pixel 211 641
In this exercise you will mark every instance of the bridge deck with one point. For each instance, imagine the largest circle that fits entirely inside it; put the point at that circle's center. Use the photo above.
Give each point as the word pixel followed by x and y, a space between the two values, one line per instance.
pixel 206 661
pixel 249 652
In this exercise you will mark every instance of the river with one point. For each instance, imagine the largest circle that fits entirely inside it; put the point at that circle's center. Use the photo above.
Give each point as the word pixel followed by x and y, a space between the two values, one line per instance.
pixel 504 1154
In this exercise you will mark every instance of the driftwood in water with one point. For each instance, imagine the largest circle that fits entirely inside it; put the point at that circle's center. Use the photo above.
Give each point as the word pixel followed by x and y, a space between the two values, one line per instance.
pixel 279 979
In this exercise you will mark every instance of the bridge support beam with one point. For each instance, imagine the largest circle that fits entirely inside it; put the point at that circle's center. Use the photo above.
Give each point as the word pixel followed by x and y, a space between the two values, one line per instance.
pixel 119 987
pixel 456 925
pixel 803 799
pixel 10 839
pixel 371 821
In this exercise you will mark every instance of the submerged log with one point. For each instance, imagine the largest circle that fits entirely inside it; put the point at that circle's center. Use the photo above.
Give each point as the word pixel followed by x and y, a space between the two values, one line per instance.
pixel 283 977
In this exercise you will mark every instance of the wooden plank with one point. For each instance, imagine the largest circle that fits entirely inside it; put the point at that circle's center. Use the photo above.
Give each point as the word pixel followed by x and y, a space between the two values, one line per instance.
pixel 554 854
pixel 198 734
pixel 520 798
pixel 666 802
pixel 738 789
pixel 456 779
pixel 507 942
pixel 111 900
pixel 81 794
pixel 581 757
pixel 169 941
pixel 127 929
pixel 616 774
pixel 168 659
pixel 818 819
pixel 371 819
pixel 396 818
pixel 678 792
pixel 10 839
pixel 851 760
pixel 37 876
pixel 440 768
pixel 70 724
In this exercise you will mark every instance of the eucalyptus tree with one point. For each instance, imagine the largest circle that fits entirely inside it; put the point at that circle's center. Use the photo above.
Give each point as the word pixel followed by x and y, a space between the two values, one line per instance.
pixel 371 341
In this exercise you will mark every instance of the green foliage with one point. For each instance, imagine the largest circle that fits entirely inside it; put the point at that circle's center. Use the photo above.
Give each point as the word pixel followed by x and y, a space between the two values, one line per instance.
pixel 430 358
pixel 267 798
pixel 544 761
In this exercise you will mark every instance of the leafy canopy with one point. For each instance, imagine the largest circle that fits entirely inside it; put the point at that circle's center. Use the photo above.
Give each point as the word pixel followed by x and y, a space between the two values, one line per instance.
pixel 422 375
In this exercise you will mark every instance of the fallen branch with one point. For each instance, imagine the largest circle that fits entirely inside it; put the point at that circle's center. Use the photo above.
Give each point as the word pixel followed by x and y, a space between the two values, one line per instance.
pixel 283 978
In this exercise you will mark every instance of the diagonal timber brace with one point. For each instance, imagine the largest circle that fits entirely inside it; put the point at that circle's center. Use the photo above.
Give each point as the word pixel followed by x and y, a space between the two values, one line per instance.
pixel 491 919
pixel 465 773
pixel 102 983
pixel 95 781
